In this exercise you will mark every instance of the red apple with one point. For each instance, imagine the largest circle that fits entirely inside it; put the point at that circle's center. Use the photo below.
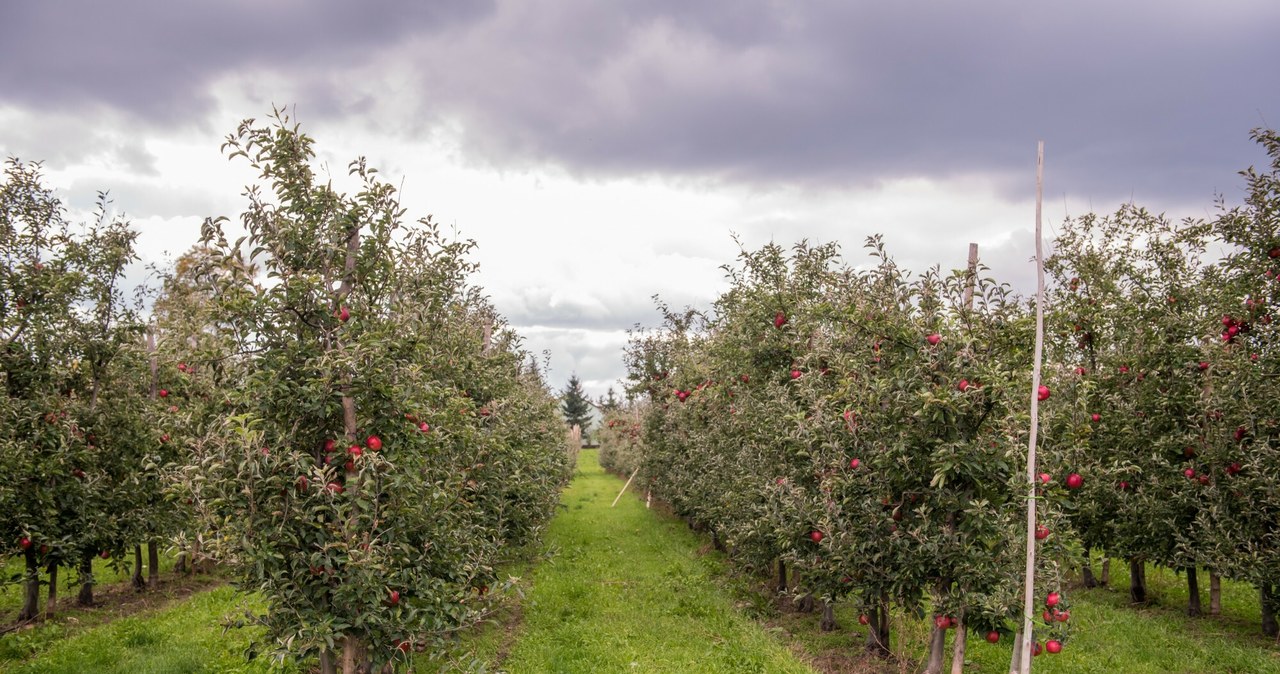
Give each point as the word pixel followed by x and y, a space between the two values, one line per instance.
pixel 1052 599
pixel 1042 393
pixel 1204 365
pixel 105 554
pixel 355 451
pixel 1074 481
pixel 164 393
pixel 963 385
pixel 424 427
pixel 265 451
pixel 1190 473
pixel 1045 478
pixel 373 442
pixel 1095 417
pixel 1063 616
pixel 933 339
pixel 334 487
pixel 779 320
pixel 330 445
pixel 24 543
pixel 816 536
pixel 863 619
pixel 1053 646
pixel 1035 648
pixel 1233 468
pixel 394 597
pixel 1124 486
pixel 1204 480
pixel 1240 433
pixel 993 637
pixel 1124 369
pixel 795 374
pixel 1042 532
pixel 403 646
pixel 343 314
pixel 1274 252
pixel 1080 371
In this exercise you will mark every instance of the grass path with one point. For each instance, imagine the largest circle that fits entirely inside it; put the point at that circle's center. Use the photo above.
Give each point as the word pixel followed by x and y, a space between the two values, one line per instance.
pixel 629 592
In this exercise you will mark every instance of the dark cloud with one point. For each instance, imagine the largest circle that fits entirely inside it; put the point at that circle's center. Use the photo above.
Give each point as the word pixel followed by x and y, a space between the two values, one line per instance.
pixel 157 60
pixel 1153 103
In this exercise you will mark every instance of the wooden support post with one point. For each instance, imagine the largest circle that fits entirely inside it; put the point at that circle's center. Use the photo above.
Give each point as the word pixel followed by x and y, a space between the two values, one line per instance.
pixel 624 487
pixel 1023 664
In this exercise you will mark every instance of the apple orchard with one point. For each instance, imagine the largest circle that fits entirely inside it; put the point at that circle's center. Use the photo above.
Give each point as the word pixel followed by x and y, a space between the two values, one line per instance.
pixel 860 432
pixel 318 401
pixel 322 405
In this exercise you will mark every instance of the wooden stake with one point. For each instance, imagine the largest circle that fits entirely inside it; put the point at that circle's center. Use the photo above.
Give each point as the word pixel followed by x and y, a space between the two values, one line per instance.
pixel 1029 588
pixel 971 276
pixel 624 487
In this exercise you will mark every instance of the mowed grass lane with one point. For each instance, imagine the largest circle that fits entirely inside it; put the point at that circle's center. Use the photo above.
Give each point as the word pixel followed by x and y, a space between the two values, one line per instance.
pixel 627 591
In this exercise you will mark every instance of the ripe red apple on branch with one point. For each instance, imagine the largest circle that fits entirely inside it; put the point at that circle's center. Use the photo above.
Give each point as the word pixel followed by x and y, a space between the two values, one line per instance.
pixel 933 339
pixel 1074 481
pixel 373 442
pixel 779 320
pixel 816 536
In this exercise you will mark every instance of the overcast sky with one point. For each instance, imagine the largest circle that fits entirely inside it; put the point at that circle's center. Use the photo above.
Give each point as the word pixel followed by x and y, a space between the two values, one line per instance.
pixel 604 152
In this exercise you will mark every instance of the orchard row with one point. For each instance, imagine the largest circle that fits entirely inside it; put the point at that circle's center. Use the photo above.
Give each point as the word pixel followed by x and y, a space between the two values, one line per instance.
pixel 323 405
pixel 866 429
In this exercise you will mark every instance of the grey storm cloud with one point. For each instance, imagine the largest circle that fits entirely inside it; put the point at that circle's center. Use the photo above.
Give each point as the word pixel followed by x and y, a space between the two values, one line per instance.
pixel 1150 100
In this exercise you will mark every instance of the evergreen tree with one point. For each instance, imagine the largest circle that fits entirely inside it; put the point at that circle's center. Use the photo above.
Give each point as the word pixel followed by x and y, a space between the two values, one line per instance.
pixel 576 406
pixel 609 403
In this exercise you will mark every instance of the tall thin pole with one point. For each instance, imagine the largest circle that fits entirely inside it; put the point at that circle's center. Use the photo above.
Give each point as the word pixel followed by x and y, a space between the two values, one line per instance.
pixel 1030 581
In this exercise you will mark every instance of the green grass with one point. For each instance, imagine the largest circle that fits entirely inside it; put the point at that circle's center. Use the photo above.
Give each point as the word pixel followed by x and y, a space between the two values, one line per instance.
pixel 184 638
pixel 106 572
pixel 628 591
pixel 1107 634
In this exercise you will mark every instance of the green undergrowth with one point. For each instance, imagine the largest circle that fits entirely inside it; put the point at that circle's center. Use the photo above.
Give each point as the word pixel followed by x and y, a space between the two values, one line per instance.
pixel 106 572
pixel 628 591
pixel 1107 634
pixel 185 637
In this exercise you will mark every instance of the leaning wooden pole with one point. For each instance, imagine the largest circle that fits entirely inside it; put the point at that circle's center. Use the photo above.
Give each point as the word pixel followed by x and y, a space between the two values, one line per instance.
pixel 1024 665
pixel 624 488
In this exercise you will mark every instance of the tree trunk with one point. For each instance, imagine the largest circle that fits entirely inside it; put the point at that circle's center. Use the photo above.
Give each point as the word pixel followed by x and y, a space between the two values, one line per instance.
pixel 828 623
pixel 1105 578
pixel 51 604
pixel 1193 593
pixel 327 663
pixel 153 564
pixel 180 565
pixel 1086 570
pixel 1137 581
pixel 958 646
pixel 782 576
pixel 1268 596
pixel 138 583
pixel 805 603
pixel 878 630
pixel 1215 593
pixel 86 581
pixel 937 644
pixel 715 540
pixel 31 599
pixel 354 658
